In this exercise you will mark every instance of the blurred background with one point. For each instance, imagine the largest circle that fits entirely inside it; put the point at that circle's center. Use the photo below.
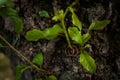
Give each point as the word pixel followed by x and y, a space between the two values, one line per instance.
pixel 5 68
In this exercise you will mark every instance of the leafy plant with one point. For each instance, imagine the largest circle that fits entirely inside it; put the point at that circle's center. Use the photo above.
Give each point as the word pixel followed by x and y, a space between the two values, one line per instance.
pixel 19 70
pixel 76 35
pixel 38 60
pixel 6 10
pixel 73 33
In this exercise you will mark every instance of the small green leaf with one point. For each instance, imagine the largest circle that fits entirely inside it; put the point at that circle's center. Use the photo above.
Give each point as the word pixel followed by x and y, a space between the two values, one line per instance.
pixel 8 3
pixel 51 33
pixel 17 21
pixel 87 62
pixel 34 35
pixel 86 37
pixel 99 25
pixel 75 19
pixel 51 77
pixel 56 18
pixel 75 35
pixel 19 70
pixel 58 15
pixel 87 46
pixel 44 13
pixel 38 59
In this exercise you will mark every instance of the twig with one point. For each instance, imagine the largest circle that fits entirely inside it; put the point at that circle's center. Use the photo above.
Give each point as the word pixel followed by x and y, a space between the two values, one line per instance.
pixel 22 56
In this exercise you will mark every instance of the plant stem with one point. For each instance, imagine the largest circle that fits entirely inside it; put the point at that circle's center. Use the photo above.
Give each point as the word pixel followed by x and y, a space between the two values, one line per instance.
pixel 20 54
pixel 65 30
pixel 63 24
pixel 66 34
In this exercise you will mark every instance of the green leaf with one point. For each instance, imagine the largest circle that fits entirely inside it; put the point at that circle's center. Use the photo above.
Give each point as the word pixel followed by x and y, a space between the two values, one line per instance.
pixel 51 77
pixel 34 35
pixel 75 19
pixel 8 3
pixel 7 12
pixel 17 21
pixel 51 33
pixel 99 25
pixel 44 13
pixel 86 37
pixel 58 15
pixel 75 35
pixel 19 70
pixel 38 59
pixel 87 62
pixel 87 46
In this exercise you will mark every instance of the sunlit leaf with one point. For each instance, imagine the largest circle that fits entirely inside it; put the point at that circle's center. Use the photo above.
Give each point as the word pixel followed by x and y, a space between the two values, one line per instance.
pixel 87 46
pixel 38 59
pixel 99 25
pixel 49 33
pixel 87 62
pixel 58 15
pixel 19 70
pixel 56 18
pixel 75 19
pixel 53 32
pixel 75 35
pixel 34 35
pixel 86 37
pixel 44 13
